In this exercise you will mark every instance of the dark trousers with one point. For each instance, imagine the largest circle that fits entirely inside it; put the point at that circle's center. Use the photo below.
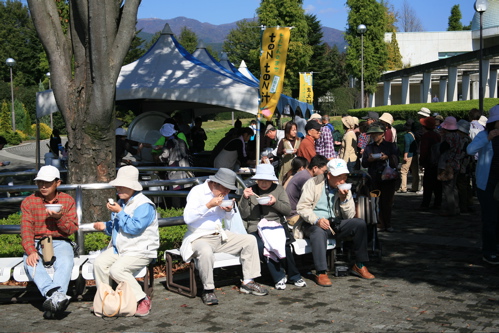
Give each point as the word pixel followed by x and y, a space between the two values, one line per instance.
pixel 387 188
pixel 451 199
pixel 490 218
pixel 431 186
pixel 464 190
pixel 276 269
pixel 351 228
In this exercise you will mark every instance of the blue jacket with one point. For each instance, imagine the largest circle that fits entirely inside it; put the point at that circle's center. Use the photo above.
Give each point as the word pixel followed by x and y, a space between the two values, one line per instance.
pixel 483 147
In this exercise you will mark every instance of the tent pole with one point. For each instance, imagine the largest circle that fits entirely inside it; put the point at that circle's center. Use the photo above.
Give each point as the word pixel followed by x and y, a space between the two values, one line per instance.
pixel 257 139
pixel 37 144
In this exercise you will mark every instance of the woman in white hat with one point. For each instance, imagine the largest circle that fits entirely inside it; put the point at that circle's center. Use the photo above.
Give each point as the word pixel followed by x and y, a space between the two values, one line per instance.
pixel 134 236
pixel 275 210
pixel 386 121
pixel 348 151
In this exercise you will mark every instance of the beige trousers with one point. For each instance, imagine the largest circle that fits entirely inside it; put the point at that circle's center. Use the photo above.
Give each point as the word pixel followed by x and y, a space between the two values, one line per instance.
pixel 110 266
pixel 243 245
pixel 412 165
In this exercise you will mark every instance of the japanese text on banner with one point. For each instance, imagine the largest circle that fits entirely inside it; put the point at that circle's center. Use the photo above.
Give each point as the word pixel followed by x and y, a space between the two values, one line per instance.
pixel 273 63
pixel 306 88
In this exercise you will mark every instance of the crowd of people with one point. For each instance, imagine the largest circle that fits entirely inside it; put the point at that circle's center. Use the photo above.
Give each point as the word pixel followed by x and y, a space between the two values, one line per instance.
pixel 298 192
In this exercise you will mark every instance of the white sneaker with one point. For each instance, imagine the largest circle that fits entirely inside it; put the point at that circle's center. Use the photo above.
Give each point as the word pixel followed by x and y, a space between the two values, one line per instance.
pixel 300 283
pixel 281 285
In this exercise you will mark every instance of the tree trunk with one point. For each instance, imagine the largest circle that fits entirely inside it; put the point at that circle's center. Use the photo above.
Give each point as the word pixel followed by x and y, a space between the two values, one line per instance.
pixel 84 65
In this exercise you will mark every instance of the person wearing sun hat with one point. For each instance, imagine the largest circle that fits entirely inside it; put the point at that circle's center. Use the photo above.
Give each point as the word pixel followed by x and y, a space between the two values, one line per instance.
pixel 205 235
pixel 348 150
pixel 38 222
pixel 133 228
pixel 322 201
pixel 386 120
pixel 377 155
pixel 274 211
pixel 486 144
pixel 431 185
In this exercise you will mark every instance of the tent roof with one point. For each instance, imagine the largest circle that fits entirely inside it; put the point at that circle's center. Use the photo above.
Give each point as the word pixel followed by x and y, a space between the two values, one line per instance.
pixel 167 72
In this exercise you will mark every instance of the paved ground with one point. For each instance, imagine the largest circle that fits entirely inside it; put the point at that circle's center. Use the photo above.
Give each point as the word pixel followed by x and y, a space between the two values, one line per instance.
pixel 431 278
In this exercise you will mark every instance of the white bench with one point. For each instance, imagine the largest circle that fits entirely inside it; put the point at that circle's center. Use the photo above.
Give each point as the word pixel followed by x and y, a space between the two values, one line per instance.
pixel 20 274
pixel 300 247
pixel 6 267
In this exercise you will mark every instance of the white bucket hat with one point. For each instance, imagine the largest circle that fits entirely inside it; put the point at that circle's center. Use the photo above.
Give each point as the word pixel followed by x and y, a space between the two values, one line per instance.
pixel 264 172
pixel 167 130
pixel 425 112
pixel 337 167
pixel 225 177
pixel 48 173
pixel 128 176
pixel 387 118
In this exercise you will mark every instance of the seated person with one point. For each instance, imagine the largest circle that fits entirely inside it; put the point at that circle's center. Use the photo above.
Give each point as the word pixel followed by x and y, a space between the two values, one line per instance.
pixel 276 210
pixel 205 236
pixel 134 237
pixel 38 222
pixel 321 200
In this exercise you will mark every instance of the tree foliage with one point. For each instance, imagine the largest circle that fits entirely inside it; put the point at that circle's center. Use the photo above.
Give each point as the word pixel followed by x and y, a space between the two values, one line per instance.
pixel 136 50
pixel 319 65
pixel 394 61
pixel 372 14
pixel 408 20
pixel 455 19
pixel 289 13
pixel 85 62
pixel 243 43
pixel 188 39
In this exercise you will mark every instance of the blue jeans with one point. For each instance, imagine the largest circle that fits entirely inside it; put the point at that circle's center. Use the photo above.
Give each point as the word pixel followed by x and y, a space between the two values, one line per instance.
pixel 490 218
pixel 63 265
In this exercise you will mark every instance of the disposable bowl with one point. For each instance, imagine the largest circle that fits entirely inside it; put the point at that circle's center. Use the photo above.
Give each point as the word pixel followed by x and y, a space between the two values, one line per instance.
pixel 226 203
pixel 346 186
pixel 54 207
pixel 263 200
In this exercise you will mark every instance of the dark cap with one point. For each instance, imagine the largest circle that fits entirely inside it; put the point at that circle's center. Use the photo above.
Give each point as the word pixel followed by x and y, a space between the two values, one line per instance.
pixel 371 115
pixel 312 124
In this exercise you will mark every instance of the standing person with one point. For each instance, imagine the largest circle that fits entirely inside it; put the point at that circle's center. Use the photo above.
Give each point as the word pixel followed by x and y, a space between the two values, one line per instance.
pixel 307 146
pixel 371 117
pixel 348 151
pixel 253 127
pixel 325 122
pixel 175 153
pixel 321 203
pixel 205 236
pixel 300 122
pixel 324 145
pixel 364 138
pixel 134 237
pixel 39 222
pixel 386 121
pixel 486 144
pixel 290 142
pixel 54 142
pixel 463 182
pixel 376 157
pixel 123 147
pixel 198 135
pixel 431 185
pixel 475 126
pixel 278 207
pixel 410 159
pixel 233 154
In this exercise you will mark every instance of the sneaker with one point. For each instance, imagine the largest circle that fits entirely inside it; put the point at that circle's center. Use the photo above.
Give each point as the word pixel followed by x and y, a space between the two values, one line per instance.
pixel 209 299
pixel 143 307
pixel 281 285
pixel 253 288
pixel 491 259
pixel 300 283
pixel 362 272
pixel 58 302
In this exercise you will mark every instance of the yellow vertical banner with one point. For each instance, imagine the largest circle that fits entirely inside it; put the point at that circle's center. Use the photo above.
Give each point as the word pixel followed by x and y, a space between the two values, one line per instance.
pixel 272 63
pixel 306 88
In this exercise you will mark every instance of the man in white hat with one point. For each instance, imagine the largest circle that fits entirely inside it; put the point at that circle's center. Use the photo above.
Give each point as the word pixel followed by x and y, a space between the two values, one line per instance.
pixel 326 208
pixel 205 236
pixel 134 237
pixel 38 222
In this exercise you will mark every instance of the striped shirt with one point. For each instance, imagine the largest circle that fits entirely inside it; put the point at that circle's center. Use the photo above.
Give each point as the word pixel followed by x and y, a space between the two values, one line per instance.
pixel 36 224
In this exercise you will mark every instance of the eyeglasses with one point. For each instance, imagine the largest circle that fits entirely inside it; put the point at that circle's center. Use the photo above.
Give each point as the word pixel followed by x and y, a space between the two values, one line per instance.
pixel 42 183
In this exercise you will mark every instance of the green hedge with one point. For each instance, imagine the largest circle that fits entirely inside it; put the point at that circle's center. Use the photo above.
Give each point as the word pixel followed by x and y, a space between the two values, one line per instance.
pixel 457 109
pixel 169 237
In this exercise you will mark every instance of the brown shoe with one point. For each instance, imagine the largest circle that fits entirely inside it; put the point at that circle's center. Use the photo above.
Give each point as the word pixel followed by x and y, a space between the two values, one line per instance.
pixel 362 272
pixel 323 280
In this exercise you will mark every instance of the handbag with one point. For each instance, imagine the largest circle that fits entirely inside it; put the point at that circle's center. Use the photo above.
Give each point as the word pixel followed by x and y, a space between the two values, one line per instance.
pixel 389 173
pixel 115 303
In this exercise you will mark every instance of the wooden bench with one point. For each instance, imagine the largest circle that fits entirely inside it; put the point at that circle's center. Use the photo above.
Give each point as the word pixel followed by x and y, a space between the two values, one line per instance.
pixel 300 247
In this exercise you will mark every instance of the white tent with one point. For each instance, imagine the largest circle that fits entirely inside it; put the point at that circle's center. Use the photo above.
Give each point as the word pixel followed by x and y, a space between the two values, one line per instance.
pixel 168 78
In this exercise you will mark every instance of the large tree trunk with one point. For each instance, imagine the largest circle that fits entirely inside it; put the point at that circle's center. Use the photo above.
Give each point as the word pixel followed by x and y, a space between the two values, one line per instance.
pixel 84 65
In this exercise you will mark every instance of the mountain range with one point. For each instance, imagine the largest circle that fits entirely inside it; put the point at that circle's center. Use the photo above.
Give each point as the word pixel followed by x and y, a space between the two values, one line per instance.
pixel 214 35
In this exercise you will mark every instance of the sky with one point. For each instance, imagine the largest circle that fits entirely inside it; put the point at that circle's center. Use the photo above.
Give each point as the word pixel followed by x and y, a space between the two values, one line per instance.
pixel 433 14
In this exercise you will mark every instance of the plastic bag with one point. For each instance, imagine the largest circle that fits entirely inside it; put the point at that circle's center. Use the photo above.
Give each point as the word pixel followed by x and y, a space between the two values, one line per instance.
pixel 389 173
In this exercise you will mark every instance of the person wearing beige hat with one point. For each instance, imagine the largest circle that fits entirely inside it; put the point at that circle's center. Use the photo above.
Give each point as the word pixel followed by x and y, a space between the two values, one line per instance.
pixel 133 228
pixel 348 151
pixel 386 120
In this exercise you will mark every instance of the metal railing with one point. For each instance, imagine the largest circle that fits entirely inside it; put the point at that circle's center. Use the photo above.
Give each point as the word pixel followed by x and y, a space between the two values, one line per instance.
pixel 79 188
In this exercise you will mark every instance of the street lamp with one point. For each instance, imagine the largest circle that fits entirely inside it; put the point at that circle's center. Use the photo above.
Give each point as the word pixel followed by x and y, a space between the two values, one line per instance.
pixel 50 87
pixel 361 29
pixel 480 7
pixel 11 63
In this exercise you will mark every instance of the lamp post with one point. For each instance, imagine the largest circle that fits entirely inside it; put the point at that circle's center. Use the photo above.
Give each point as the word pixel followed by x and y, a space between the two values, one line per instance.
pixel 480 7
pixel 11 63
pixel 361 29
pixel 50 87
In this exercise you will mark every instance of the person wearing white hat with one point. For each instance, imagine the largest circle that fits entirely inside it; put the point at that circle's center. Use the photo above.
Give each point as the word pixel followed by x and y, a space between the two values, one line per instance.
pixel 205 236
pixel 328 210
pixel 134 237
pixel 38 222
pixel 386 120
pixel 252 212
pixel 486 144
pixel 475 126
